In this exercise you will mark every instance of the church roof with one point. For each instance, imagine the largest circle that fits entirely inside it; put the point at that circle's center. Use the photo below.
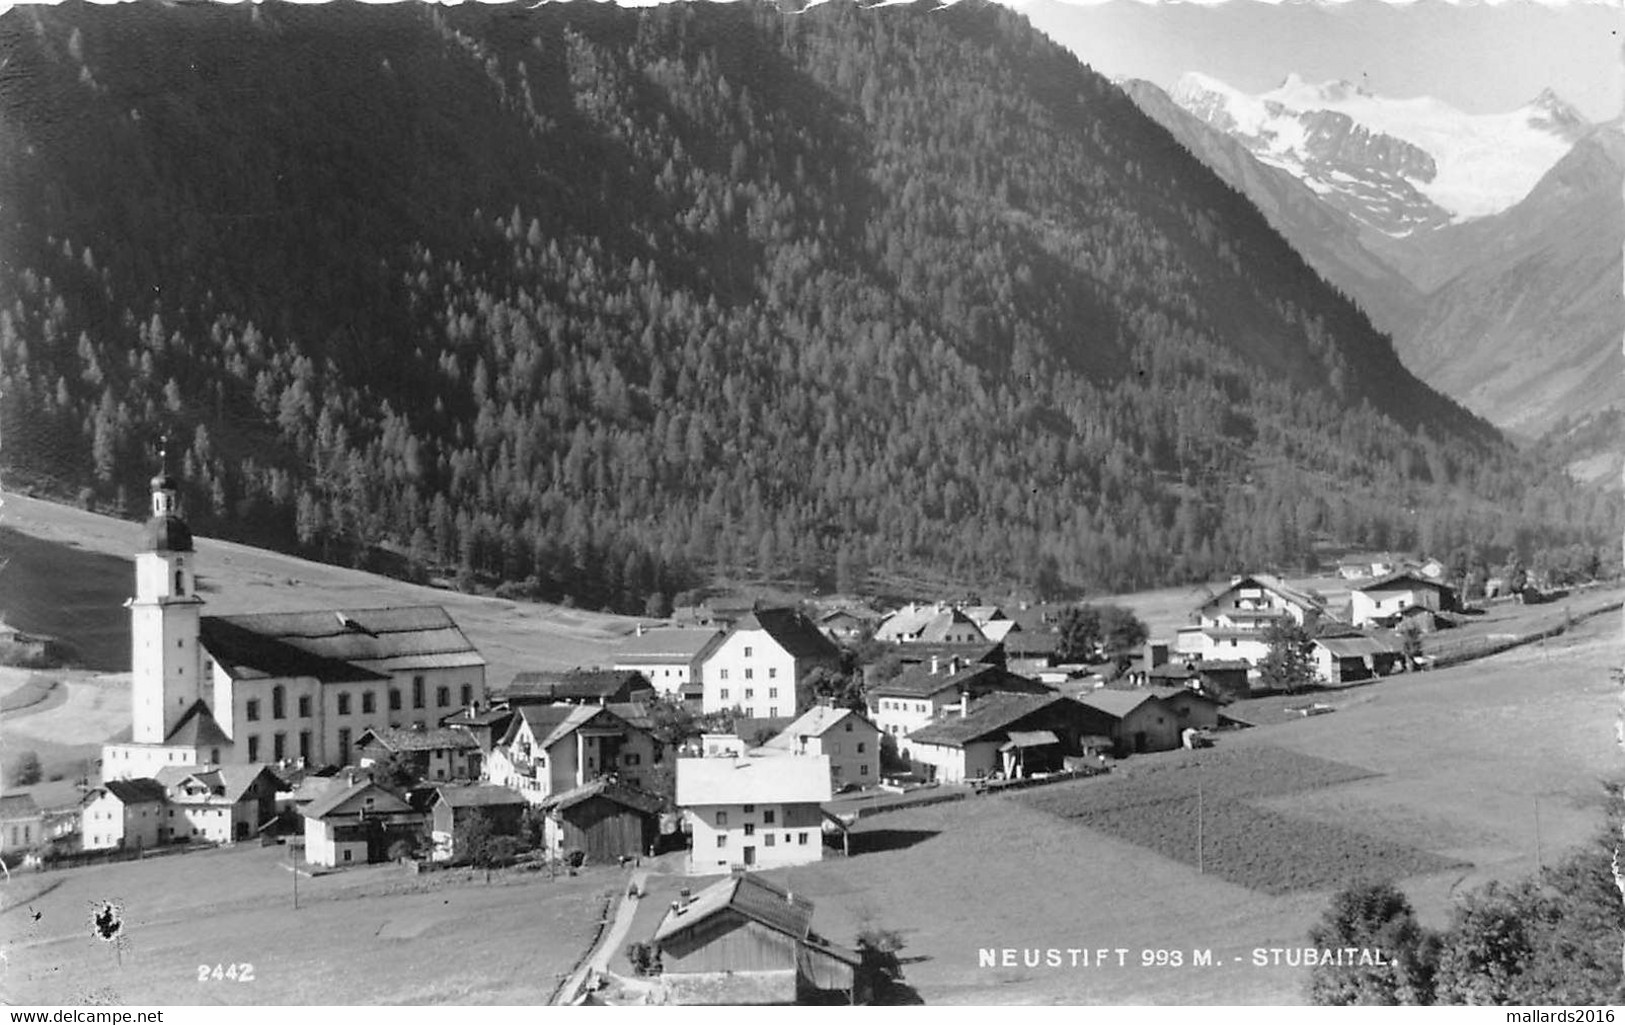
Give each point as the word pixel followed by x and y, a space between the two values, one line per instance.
pixel 168 534
pixel 338 645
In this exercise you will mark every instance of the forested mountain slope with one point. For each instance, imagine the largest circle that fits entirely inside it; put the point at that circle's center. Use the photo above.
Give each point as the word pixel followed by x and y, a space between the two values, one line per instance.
pixel 613 300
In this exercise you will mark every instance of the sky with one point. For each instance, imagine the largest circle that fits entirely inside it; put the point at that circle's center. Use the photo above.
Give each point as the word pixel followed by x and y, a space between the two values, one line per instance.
pixel 1480 58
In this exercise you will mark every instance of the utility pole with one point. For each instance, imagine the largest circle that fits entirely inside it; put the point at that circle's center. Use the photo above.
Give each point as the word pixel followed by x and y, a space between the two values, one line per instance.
pixel 1201 865
pixel 293 863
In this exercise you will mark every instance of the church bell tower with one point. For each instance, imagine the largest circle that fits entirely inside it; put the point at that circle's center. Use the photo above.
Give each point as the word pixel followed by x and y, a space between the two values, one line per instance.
pixel 164 616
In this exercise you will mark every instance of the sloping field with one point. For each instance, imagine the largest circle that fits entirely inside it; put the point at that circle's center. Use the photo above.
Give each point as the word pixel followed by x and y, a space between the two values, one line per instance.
pixel 70 571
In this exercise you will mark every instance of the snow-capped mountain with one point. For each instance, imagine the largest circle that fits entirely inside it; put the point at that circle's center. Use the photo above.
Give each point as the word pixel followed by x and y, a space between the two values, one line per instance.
pixel 1398 166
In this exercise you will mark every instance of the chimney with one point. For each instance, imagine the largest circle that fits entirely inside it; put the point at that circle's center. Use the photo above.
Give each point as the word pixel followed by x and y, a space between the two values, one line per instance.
pixel 953 664
pixel 934 666
pixel 964 703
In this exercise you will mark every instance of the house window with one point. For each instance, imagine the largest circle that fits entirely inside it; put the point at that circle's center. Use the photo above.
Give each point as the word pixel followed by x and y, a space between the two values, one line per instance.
pixel 750 674
pixel 750 692
pixel 214 756
pixel 633 759
pixel 863 770
pixel 725 694
pixel 750 829
pixel 417 692
pixel 467 694
pixel 722 839
pixel 747 652
pixel 722 675
pixel 251 711
pixel 767 816
pixel 749 808
pixel 801 838
pixel 772 674
pixel 347 855
pixel 773 713
pixel 722 818
pixel 279 702
pixel 768 840
pixel 253 748
pixel 773 692
pixel 279 746
pixel 442 696
pixel 344 703
pixel 849 727
pixel 394 699
pixel 304 706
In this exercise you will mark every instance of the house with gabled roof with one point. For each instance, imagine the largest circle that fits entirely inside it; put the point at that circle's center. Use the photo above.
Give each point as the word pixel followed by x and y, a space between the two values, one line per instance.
pixel 918 696
pixel 753 812
pixel 441 753
pixel 929 624
pixel 22 824
pixel 670 658
pixel 745 940
pixel 1013 735
pixel 1349 655
pixel 1382 601
pixel 356 824
pixel 849 739
pixel 549 749
pixel 756 666
pixel 1146 719
pixel 124 813
pixel 848 624
pixel 1232 624
pixel 453 805
pixel 218 804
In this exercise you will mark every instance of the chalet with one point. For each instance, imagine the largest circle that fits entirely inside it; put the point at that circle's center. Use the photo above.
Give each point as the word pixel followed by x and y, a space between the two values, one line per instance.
pixel 744 940
pixel 1014 735
pixel 1348 656
pixel 22 824
pixel 670 658
pixel 605 820
pixel 1139 720
pixel 1232 624
pixel 917 697
pixel 850 740
pixel 124 813
pixel 578 687
pixel 219 804
pixel 1378 600
pixel 356 824
pixel 756 667
pixel 453 806
pixel 1365 565
pixel 549 749
pixel 753 812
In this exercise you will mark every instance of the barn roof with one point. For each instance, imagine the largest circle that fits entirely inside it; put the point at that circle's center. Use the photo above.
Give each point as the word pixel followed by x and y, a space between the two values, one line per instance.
pixel 1119 703
pixel 609 789
pixel 337 797
pixel 576 684
pixel 989 719
pixel 815 722
pixel 478 795
pixel 400 738
pixel 1401 580
pixel 1355 647
pixel 749 895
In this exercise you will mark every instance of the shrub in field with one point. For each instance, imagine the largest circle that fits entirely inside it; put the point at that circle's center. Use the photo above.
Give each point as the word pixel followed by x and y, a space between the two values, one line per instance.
pixel 1374 916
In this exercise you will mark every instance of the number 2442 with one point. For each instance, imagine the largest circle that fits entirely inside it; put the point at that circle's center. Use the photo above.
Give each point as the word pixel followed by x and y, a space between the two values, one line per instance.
pixel 225 973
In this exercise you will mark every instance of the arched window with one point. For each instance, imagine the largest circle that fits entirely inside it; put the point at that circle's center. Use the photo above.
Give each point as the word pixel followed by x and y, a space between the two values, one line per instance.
pixel 180 582
pixel 278 702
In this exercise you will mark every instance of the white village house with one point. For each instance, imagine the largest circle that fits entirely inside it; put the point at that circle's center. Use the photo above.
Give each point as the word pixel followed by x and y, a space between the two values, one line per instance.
pixel 850 740
pixel 756 667
pixel 761 812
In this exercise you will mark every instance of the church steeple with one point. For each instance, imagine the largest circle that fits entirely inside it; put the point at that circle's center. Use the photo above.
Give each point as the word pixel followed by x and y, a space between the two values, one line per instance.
pixel 166 531
pixel 165 666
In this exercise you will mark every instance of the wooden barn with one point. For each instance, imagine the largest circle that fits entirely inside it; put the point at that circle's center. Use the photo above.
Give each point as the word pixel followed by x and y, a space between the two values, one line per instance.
pixel 605 819
pixel 745 940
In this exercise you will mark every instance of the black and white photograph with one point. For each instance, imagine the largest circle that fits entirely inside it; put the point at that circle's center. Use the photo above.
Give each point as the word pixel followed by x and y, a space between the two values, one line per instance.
pixel 812 502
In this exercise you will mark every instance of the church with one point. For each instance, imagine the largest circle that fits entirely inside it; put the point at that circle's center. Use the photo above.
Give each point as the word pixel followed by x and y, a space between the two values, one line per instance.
pixel 293 688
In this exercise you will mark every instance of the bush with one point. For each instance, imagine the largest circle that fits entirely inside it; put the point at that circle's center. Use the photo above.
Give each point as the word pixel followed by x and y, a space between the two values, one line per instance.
pixel 401 850
pixel 575 857
pixel 645 957
pixel 27 771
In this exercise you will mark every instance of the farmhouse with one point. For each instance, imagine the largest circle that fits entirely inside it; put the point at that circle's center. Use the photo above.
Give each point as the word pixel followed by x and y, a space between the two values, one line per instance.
pixel 756 667
pixel 746 941
pixel 437 754
pixel 1014 735
pixel 222 804
pixel 1377 601
pixel 929 624
pixel 578 687
pixel 453 806
pixel 917 697
pixel 753 812
pixel 848 739
pixel 670 658
pixel 605 820
pixel 213 690
pixel 549 749
pixel 22 824
pixel 1231 625
pixel 356 824
pixel 124 813
pixel 849 624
